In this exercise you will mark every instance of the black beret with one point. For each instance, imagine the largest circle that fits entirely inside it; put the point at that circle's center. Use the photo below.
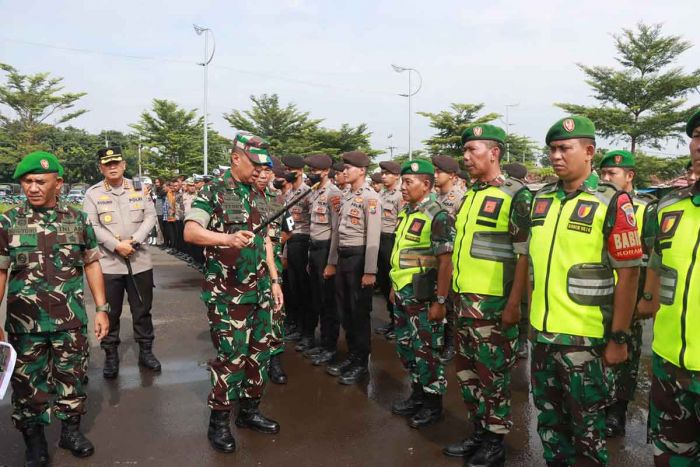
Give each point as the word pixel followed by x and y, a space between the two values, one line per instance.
pixel 338 166
pixel 515 170
pixel 446 163
pixel 277 167
pixel 376 177
pixel 319 161
pixel 112 153
pixel 391 167
pixel 464 175
pixel 356 158
pixel 293 162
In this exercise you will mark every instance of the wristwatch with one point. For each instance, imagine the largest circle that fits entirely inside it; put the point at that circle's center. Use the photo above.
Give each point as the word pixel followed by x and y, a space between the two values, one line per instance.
pixel 441 299
pixel 106 308
pixel 620 337
pixel 277 281
pixel 648 296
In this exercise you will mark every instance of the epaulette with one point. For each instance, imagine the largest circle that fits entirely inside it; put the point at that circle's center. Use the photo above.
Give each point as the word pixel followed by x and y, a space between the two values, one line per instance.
pixel 674 196
pixel 605 192
pixel 548 188
pixel 511 186
pixel 431 209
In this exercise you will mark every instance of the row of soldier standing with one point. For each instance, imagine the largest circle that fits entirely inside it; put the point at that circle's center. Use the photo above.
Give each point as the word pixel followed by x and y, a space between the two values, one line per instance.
pixel 502 243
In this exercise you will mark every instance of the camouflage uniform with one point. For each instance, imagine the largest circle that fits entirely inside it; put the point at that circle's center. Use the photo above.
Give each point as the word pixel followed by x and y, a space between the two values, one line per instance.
pixel 272 204
pixel 236 289
pixel 419 340
pixel 45 250
pixel 486 351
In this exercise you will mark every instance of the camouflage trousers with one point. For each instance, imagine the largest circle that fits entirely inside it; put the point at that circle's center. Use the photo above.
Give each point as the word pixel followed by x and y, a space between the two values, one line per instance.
pixel 674 415
pixel 277 318
pixel 624 375
pixel 570 390
pixel 48 364
pixel 241 336
pixel 485 355
pixel 419 342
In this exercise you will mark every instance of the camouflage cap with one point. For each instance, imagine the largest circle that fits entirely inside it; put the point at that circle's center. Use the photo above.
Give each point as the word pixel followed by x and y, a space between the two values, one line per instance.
pixel 254 147
pixel 417 167
pixel 575 126
pixel 356 159
pixel 319 161
pixel 38 162
pixel 110 154
pixel 693 123
pixel 376 177
pixel 391 167
pixel 484 132
pixel 293 162
pixel 446 163
pixel 618 158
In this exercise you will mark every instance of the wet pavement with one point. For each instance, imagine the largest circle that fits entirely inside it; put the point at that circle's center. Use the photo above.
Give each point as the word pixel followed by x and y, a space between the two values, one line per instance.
pixel 146 419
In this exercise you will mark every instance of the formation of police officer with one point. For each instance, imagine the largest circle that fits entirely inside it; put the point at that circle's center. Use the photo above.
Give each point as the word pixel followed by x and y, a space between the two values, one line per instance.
pixel 123 216
pixel 49 248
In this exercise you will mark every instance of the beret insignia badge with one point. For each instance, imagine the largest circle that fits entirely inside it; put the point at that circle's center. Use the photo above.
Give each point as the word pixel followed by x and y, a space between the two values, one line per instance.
pixel 618 159
pixel 414 167
pixel 569 125
pixel 44 163
pixel 478 131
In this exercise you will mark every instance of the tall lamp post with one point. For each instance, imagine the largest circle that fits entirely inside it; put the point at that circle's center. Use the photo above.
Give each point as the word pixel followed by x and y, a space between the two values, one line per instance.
pixel 205 64
pixel 508 125
pixel 410 94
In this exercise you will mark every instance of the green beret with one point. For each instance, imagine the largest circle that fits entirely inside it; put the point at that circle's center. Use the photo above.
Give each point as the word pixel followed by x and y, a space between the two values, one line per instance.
pixel 618 158
pixel 693 123
pixel 484 132
pixel 571 127
pixel 416 167
pixel 39 162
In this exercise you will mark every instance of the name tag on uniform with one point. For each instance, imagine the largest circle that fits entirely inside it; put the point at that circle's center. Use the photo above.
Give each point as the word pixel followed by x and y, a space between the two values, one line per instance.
pixel 232 203
pixel 67 228
pixel 21 231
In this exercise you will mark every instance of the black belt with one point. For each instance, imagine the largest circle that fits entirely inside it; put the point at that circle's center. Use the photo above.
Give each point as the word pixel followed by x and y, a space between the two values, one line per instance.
pixel 388 235
pixel 298 238
pixel 347 251
pixel 319 244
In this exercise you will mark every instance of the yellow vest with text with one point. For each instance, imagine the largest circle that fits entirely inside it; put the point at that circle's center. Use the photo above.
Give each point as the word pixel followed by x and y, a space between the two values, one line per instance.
pixel 677 322
pixel 413 248
pixel 483 256
pixel 572 283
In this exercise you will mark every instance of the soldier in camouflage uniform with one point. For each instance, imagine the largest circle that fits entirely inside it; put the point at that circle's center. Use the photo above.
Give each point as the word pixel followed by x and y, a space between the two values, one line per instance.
pixel 423 245
pixel 240 274
pixel 673 283
pixel 47 246
pixel 490 276
pixel 618 167
pixel 583 298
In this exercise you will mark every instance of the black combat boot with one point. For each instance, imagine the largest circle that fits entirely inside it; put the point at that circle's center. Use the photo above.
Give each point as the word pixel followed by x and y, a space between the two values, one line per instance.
pixel 410 406
pixel 492 452
pixel 336 369
pixel 467 447
pixel 277 374
pixel 306 343
pixel 615 419
pixel 382 330
pixel 354 373
pixel 323 357
pixel 430 413
pixel 448 353
pixel 37 453
pixel 219 432
pixel 146 357
pixel 73 440
pixel 249 416
pixel 111 368
pixel 312 352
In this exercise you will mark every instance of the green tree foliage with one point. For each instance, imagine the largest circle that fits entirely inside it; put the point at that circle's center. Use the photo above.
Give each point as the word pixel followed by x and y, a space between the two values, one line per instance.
pixel 522 149
pixel 641 103
pixel 449 125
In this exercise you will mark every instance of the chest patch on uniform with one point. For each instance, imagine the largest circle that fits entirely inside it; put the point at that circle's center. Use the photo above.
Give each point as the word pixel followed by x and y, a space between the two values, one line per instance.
pixel 335 201
pixel 372 204
pixel 490 207
pixel 541 208
pixel 581 219
pixel 67 228
pixel 669 223
pixel 416 226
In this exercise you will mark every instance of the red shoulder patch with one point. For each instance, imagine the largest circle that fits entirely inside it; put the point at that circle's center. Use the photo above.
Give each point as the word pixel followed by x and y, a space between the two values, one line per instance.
pixel 624 243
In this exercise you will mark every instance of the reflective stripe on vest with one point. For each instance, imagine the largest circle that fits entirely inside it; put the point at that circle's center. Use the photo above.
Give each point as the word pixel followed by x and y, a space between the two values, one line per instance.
pixel 483 256
pixel 573 286
pixel 413 248
pixel 677 322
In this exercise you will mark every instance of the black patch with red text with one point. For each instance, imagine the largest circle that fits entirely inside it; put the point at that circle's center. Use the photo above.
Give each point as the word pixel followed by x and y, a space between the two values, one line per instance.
pixel 490 207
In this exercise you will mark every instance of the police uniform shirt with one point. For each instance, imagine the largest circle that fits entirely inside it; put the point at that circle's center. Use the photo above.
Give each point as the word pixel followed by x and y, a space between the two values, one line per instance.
pixel 452 199
pixel 359 223
pixel 301 211
pixel 391 205
pixel 120 213
pixel 325 204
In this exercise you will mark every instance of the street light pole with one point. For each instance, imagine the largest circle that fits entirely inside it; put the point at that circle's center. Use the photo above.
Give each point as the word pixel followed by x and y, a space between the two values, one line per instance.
pixel 508 106
pixel 205 64
pixel 410 94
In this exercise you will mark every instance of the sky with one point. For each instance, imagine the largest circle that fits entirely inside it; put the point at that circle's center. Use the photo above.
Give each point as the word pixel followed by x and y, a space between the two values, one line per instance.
pixel 332 58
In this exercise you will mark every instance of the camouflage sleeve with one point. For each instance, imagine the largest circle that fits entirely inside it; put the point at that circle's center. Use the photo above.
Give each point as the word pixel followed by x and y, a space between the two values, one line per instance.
pixel 91 252
pixel 651 226
pixel 442 234
pixel 202 207
pixel 4 243
pixel 519 223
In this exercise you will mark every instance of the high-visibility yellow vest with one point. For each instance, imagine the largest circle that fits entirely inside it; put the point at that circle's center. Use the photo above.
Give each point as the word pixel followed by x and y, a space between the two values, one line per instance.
pixel 413 249
pixel 573 284
pixel 483 256
pixel 677 322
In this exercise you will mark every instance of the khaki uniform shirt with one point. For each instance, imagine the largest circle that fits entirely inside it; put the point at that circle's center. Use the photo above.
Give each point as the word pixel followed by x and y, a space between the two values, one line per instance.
pixel 325 204
pixel 392 201
pixel 359 223
pixel 300 212
pixel 118 214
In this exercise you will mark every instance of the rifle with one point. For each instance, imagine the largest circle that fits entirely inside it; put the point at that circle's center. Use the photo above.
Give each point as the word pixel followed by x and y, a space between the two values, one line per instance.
pixel 291 203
